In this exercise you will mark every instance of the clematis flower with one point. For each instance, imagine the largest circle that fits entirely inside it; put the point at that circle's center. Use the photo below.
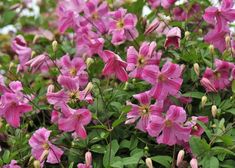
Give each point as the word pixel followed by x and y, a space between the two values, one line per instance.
pixel 70 93
pixel 74 120
pixel 43 149
pixel 181 15
pixel 88 160
pixel 13 103
pixel 165 82
pixel 144 111
pixel 136 61
pixel 74 68
pixel 220 17
pixel 157 26
pixel 97 13
pixel 197 130
pixel 114 65
pixel 218 79
pixel 13 164
pixel 173 38
pixel 20 47
pixel 164 3
pixel 122 26
pixel 169 129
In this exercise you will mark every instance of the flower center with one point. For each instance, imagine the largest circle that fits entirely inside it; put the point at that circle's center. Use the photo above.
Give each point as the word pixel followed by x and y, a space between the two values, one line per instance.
pixel 73 72
pixel 95 16
pixel 120 24
pixel 168 123
pixel 141 60
pixel 74 95
pixel 217 75
pixel 45 146
pixel 144 110
pixel 161 78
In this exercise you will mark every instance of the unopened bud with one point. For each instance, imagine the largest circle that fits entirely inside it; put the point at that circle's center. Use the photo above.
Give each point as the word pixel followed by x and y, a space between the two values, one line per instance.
pixel 36 164
pixel 88 87
pixel 50 88
pixel 88 158
pixel 228 41
pixel 149 163
pixel 36 37
pixel 193 163
pixel 180 157
pixel 214 110
pixel 187 34
pixel 200 31
pixel 11 65
pixel 196 69
pixel 212 49
pixel 126 86
pixel 203 100
pixel 89 61
pixel 33 53
pixel 54 45
pixel 214 126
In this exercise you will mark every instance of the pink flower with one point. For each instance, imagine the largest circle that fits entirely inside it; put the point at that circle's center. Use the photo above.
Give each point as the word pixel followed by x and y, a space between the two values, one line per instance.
pixel 196 130
pixel 194 163
pixel 114 65
pixel 20 47
pixel 144 111
pixel 74 68
pixel 74 120
pixel 157 26
pixel 192 10
pixel 13 164
pixel 220 16
pixel 218 79
pixel 42 148
pixel 169 129
pixel 173 38
pixel 165 82
pixel 88 159
pixel 97 13
pixel 13 103
pixel 122 26
pixel 70 93
pixel 164 3
pixel 136 61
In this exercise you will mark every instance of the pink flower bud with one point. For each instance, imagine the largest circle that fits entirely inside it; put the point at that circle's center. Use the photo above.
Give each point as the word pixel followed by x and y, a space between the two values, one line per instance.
pixel 208 85
pixel 180 157
pixel 88 158
pixel 193 163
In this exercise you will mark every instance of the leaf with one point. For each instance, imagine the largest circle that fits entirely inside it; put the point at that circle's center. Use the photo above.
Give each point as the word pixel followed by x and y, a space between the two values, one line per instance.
pixel 98 148
pixel 211 162
pixel 6 156
pixel 8 16
pixel 232 111
pixel 220 150
pixel 228 164
pixel 118 122
pixel 111 150
pixel 199 146
pixel 71 165
pixel 163 160
pixel 233 86
pixel 197 95
pixel 228 140
pixel 207 131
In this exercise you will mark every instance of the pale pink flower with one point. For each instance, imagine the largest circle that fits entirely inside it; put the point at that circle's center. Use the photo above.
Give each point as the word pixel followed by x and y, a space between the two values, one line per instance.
pixel 122 26
pixel 159 27
pixel 13 103
pixel 169 129
pixel 74 120
pixel 144 111
pixel 114 65
pixel 136 61
pixel 41 145
pixel 173 38
pixel 13 164
pixel 196 130
pixel 88 161
pixel 164 3
pixel 165 82
pixel 20 47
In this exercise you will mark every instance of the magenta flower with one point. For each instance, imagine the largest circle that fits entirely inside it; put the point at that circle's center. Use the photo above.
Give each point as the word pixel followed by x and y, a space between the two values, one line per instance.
pixel 88 160
pixel 180 14
pixel 13 103
pixel 169 129
pixel 220 17
pixel 13 164
pixel 218 79
pixel 114 65
pixel 196 129
pixel 136 61
pixel 74 68
pixel 97 13
pixel 165 82
pixel 157 26
pixel 74 120
pixel 122 26
pixel 42 148
pixel 144 111
pixel 20 47
pixel 70 93
pixel 173 38
pixel 164 3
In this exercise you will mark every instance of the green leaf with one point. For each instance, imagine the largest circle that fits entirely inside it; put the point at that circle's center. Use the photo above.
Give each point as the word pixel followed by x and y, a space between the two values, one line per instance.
pixel 233 86
pixel 8 16
pixel 6 156
pixel 197 95
pixel 211 162
pixel 163 160
pixel 232 111
pixel 220 150
pixel 199 146
pixel 111 150
pixel 228 164
pixel 98 148
pixel 118 122
pixel 71 165
pixel 228 140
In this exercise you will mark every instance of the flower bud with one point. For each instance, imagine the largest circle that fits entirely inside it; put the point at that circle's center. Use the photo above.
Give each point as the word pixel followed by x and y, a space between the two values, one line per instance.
pixel 36 37
pixel 88 87
pixel 54 45
pixel 36 164
pixel 196 69
pixel 187 34
pixel 126 86
pixel 88 158
pixel 180 157
pixel 50 88
pixel 203 100
pixel 214 110
pixel 193 163
pixel 11 65
pixel 32 54
pixel 212 49
pixel 228 41
pixel 149 163
pixel 89 61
